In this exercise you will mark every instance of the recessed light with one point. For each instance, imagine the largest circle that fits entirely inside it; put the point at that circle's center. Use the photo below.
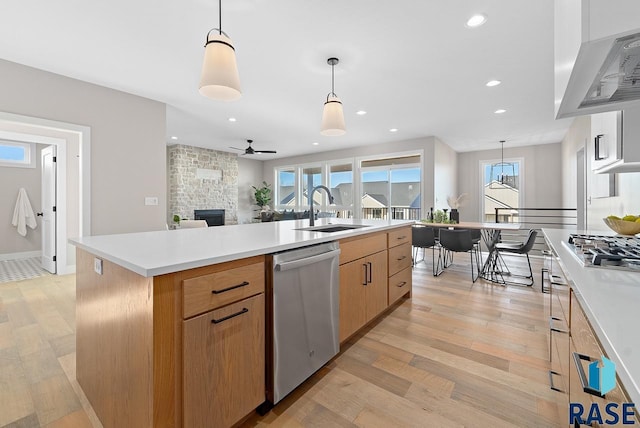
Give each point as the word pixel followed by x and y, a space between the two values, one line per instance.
pixel 361 112
pixel 491 83
pixel 500 111
pixel 232 119
pixel 173 137
pixel 476 20
pixel 393 130
pixel 315 144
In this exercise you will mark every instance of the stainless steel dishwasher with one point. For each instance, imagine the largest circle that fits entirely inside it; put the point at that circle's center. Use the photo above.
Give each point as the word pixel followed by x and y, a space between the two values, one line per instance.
pixel 305 314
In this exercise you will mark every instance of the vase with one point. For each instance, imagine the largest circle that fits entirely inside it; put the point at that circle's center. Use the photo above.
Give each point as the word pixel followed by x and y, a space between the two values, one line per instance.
pixel 454 215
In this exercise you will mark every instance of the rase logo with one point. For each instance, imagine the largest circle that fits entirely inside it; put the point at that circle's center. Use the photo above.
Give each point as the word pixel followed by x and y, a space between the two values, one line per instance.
pixel 601 379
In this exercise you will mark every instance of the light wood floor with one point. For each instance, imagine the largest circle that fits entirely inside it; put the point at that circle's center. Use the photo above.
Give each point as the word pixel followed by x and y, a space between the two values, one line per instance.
pixel 456 354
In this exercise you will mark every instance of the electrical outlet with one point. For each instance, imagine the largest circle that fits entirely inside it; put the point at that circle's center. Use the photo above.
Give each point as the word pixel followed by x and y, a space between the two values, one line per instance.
pixel 151 200
pixel 97 265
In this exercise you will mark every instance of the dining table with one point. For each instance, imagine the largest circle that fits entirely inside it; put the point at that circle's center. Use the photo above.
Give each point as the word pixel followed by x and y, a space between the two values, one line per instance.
pixel 493 268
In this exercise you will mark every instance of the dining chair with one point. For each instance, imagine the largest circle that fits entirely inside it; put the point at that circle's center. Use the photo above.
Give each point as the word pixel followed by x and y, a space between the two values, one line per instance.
pixel 520 248
pixel 460 241
pixel 424 237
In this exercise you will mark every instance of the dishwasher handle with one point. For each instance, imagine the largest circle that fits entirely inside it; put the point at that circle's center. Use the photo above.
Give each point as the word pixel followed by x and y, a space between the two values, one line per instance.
pixel 294 264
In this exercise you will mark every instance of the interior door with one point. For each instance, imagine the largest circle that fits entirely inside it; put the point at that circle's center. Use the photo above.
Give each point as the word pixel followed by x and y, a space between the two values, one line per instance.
pixel 48 166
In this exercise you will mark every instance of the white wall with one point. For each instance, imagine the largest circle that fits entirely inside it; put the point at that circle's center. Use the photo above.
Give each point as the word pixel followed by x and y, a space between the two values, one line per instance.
pixel 626 201
pixel 426 144
pixel 542 176
pixel 127 142
pixel 445 176
pixel 250 173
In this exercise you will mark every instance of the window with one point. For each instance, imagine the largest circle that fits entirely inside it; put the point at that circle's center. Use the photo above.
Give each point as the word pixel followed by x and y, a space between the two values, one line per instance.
pixel 341 185
pixel 285 188
pixel 391 188
pixel 502 189
pixel 17 154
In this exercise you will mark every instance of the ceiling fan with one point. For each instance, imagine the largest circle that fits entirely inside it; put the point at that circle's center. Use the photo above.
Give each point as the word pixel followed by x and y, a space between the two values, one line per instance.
pixel 250 150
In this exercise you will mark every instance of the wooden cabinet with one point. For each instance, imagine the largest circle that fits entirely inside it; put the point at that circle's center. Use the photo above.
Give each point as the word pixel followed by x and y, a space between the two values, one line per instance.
pixel 223 364
pixel 399 284
pixel 363 292
pixel 223 350
pixel 585 349
pixel 363 281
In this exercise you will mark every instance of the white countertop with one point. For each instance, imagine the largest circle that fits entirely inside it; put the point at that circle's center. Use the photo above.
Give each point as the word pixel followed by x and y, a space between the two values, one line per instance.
pixel 167 251
pixel 610 299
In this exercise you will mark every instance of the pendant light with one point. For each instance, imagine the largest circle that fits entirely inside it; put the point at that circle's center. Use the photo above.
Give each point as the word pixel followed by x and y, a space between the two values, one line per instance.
pixel 503 179
pixel 332 114
pixel 219 79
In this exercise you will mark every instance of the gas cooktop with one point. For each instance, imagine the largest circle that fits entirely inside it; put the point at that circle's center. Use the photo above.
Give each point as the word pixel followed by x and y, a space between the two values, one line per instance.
pixel 601 251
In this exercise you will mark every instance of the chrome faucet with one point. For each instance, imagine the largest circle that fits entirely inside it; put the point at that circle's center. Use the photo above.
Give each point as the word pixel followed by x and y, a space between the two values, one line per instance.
pixel 312 215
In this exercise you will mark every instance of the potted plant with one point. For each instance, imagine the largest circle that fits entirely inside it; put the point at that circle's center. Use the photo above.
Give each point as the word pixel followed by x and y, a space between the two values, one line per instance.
pixel 262 195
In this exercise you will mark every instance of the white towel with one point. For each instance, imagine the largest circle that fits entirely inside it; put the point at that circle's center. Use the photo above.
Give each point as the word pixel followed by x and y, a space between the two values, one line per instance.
pixel 23 215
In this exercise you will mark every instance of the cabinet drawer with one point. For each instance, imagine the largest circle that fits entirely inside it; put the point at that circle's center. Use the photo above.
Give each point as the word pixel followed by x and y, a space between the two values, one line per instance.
pixel 399 258
pixel 224 364
pixel 399 285
pixel 211 291
pixel 356 248
pixel 399 236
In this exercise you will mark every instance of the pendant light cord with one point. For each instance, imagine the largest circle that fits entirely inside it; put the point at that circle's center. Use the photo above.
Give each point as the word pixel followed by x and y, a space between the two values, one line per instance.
pixel 502 164
pixel 333 92
pixel 220 16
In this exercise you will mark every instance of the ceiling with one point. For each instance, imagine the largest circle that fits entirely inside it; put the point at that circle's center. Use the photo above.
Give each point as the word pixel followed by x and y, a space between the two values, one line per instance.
pixel 411 64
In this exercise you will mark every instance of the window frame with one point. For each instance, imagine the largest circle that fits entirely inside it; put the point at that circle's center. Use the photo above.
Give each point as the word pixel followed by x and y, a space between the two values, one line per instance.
pixel 30 155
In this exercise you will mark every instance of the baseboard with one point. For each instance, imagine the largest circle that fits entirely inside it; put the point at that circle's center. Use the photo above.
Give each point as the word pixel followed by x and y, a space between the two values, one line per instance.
pixel 17 256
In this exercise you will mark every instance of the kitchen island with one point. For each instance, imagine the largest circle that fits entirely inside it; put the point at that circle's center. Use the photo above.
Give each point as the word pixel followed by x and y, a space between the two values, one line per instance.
pixel 171 324
pixel 609 298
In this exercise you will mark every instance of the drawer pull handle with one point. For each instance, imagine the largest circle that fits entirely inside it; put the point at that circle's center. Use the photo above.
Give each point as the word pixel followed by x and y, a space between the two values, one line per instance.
pixel 401 258
pixel 233 287
pixel 552 328
pixel 402 237
pixel 370 273
pixel 553 387
pixel 402 284
pixel 243 311
pixel 583 377
pixel 366 274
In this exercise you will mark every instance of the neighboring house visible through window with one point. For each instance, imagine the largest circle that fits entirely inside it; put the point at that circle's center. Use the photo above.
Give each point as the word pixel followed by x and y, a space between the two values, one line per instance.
pixel 17 154
pixel 501 188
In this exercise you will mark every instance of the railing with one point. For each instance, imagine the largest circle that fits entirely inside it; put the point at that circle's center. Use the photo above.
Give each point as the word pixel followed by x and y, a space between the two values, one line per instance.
pixel 535 218
pixel 397 213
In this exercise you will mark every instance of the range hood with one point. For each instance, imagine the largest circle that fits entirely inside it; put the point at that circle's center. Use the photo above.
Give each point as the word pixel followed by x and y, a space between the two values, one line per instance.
pixel 605 76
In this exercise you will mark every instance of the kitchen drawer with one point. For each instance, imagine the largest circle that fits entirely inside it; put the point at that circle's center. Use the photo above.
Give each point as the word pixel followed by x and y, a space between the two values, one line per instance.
pixel 207 292
pixel 399 284
pixel 399 236
pixel 399 258
pixel 357 247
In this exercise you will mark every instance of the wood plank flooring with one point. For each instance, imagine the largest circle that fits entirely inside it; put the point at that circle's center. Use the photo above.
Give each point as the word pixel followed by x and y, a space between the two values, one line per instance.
pixel 456 354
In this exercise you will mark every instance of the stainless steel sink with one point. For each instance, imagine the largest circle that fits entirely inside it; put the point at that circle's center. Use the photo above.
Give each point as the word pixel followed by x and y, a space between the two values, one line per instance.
pixel 329 228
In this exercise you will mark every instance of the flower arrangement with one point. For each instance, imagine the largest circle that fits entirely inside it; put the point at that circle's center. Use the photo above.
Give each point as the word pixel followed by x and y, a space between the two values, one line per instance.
pixel 456 203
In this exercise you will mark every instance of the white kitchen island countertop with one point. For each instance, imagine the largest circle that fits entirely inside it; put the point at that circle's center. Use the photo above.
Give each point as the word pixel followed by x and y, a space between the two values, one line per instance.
pixel 610 299
pixel 167 251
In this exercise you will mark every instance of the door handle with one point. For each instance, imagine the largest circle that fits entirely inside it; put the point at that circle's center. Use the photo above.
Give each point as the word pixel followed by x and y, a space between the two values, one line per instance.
pixel 370 273
pixel 39 214
pixel 582 376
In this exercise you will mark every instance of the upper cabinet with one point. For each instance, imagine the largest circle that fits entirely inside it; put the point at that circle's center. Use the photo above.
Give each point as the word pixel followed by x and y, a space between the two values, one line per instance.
pixel 615 139
pixel 596 53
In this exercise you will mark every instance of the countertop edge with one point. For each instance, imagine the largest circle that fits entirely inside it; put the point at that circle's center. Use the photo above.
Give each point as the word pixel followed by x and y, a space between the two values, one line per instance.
pixel 313 238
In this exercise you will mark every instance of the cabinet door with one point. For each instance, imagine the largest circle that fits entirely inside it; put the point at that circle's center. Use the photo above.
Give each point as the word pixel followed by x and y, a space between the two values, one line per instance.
pixel 353 276
pixel 376 289
pixel 223 364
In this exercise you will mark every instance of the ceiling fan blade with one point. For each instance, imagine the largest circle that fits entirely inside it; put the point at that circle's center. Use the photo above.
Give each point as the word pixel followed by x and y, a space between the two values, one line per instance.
pixel 231 147
pixel 264 151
